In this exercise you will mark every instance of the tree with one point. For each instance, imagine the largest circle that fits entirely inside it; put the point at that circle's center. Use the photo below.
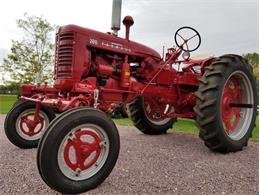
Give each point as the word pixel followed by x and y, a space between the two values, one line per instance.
pixel 31 59
pixel 12 88
pixel 253 60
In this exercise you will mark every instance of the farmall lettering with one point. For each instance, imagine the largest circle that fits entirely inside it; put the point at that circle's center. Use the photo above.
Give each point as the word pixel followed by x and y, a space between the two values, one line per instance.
pixel 95 71
pixel 115 46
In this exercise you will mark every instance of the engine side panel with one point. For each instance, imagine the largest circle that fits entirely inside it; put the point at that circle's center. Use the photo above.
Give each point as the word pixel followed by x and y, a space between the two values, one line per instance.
pixel 73 55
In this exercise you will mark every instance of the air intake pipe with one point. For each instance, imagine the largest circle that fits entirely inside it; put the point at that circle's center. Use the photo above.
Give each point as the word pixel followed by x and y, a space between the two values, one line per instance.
pixel 116 16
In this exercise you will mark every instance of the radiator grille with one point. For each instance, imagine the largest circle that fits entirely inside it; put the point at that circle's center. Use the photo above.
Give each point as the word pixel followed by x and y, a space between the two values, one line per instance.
pixel 64 55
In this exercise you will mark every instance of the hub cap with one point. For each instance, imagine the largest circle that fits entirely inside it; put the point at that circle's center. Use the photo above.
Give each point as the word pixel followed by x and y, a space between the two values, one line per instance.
pixel 27 128
pixel 83 152
pixel 154 111
pixel 237 119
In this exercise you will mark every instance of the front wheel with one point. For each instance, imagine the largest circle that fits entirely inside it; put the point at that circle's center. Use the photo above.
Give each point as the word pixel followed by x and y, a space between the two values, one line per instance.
pixel 20 127
pixel 78 151
pixel 226 104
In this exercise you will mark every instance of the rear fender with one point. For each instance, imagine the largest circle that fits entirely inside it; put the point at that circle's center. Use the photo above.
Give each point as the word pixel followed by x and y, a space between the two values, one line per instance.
pixel 206 63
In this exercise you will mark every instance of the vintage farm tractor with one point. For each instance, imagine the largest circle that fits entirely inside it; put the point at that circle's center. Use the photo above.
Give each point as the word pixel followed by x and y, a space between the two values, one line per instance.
pixel 93 70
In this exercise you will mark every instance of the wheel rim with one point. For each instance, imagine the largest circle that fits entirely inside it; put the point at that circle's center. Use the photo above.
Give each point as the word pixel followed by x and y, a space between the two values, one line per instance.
pixel 27 128
pixel 83 152
pixel 154 112
pixel 237 91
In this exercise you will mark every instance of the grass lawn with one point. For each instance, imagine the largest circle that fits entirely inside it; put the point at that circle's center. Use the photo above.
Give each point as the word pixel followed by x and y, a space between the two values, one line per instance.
pixel 6 102
pixel 183 125
pixel 187 126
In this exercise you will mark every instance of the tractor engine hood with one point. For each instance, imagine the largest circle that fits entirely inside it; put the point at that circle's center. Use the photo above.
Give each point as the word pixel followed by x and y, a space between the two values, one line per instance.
pixel 109 42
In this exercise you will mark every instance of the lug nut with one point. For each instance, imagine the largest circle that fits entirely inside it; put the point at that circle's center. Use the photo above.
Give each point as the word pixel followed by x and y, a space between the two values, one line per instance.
pixel 78 170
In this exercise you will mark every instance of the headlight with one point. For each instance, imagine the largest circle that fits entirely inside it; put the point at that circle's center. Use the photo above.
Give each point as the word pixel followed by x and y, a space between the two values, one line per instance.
pixel 186 55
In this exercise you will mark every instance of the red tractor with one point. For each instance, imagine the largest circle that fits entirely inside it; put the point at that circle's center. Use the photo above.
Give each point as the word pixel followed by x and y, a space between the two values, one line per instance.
pixel 94 70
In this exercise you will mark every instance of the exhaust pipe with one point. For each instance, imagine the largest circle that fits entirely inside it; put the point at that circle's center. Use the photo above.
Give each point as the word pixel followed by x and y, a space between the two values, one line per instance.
pixel 116 16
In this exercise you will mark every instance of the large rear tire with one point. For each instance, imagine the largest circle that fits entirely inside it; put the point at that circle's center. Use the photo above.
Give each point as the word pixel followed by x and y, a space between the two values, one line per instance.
pixel 145 118
pixel 226 104
pixel 17 127
pixel 78 150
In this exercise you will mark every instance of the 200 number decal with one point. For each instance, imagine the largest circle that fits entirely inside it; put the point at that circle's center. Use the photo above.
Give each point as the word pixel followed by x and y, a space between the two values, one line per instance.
pixel 93 41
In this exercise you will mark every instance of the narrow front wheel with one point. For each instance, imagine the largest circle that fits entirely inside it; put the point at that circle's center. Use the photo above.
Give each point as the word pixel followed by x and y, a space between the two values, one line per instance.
pixel 20 126
pixel 78 151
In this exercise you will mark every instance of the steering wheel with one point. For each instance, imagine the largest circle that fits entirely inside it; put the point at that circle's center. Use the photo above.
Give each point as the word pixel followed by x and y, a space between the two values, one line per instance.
pixel 187 34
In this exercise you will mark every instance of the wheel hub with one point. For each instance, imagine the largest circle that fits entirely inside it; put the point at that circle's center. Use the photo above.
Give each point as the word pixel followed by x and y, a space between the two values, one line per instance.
pixel 231 94
pixel 86 151
pixel 29 127
pixel 155 111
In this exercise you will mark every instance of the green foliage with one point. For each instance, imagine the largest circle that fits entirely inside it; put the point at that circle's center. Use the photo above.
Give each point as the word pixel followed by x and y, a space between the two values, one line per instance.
pixel 252 58
pixel 11 88
pixel 32 58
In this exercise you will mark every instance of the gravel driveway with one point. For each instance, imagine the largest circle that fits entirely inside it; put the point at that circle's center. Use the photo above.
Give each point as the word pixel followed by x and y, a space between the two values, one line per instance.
pixel 166 164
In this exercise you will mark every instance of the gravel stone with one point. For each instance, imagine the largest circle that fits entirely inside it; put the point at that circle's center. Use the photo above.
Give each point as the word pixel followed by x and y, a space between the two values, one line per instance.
pixel 174 163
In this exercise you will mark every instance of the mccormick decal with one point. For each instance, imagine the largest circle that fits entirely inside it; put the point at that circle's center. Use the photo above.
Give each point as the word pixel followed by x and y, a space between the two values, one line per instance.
pixel 111 45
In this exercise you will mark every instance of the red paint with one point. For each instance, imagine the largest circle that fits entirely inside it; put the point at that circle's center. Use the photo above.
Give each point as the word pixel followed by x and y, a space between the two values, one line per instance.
pixel 120 69
pixel 128 22
pixel 28 126
pixel 125 74
pixel 231 115
pixel 83 150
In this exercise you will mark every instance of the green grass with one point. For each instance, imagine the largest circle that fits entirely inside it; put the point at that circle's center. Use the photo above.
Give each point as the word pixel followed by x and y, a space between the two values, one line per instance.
pixel 123 121
pixel 183 125
pixel 187 126
pixel 6 102
pixel 256 130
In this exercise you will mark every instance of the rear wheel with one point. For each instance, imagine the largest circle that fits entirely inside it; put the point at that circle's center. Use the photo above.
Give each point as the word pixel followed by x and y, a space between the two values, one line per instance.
pixel 20 127
pixel 226 104
pixel 146 114
pixel 78 150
